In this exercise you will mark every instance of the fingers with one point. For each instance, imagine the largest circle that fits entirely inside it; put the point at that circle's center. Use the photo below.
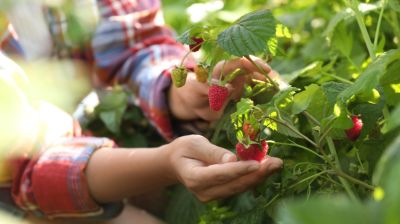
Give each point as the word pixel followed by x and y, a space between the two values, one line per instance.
pixel 250 67
pixel 269 166
pixel 217 174
pixel 201 149
pixel 223 173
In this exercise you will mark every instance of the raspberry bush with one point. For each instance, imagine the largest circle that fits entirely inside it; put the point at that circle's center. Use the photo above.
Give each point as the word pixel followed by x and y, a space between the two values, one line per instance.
pixel 336 125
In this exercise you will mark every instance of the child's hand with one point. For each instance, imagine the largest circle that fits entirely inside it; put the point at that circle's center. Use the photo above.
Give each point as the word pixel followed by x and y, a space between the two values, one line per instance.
pixel 190 102
pixel 211 172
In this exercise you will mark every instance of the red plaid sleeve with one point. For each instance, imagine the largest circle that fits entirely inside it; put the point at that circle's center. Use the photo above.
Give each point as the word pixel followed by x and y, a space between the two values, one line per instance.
pixel 53 182
pixel 132 46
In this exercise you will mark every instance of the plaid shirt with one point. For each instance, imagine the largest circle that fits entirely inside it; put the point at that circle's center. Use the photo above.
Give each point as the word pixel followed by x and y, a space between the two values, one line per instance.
pixel 130 46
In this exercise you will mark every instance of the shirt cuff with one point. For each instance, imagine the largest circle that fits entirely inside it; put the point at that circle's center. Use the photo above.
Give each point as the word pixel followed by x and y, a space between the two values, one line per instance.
pixel 54 185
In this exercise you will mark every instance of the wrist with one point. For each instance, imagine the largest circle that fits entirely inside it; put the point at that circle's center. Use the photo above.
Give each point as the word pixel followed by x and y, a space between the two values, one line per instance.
pixel 167 158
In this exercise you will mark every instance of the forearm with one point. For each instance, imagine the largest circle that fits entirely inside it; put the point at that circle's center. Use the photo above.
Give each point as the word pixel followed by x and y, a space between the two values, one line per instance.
pixel 114 174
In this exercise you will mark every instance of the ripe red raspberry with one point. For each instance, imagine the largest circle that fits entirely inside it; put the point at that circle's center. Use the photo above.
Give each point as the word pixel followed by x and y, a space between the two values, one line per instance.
pixel 198 41
pixel 217 96
pixel 354 132
pixel 249 130
pixel 253 152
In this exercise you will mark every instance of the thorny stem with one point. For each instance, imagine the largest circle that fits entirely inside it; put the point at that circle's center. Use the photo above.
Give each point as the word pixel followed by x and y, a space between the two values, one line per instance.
pixel 262 71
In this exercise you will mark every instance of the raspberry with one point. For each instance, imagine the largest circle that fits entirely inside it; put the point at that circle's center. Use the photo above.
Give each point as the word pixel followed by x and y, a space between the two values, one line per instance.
pixel 249 130
pixel 179 75
pixel 354 132
pixel 253 152
pixel 217 96
pixel 201 73
pixel 198 41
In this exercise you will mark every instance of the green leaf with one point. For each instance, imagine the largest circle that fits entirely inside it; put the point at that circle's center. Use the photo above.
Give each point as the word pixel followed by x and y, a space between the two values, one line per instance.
pixel 186 37
pixel 388 160
pixel 112 119
pixel 387 175
pixel 279 102
pixel 370 114
pixel 112 107
pixel 310 70
pixel 184 208
pixel 391 200
pixel 243 107
pixel 318 105
pixel 303 99
pixel 249 35
pixel 395 5
pixel 332 90
pixel 329 210
pixel 339 17
pixel 390 82
pixel 370 77
pixel 394 119
pixel 272 46
pixel 342 40
pixel 283 31
pixel 254 216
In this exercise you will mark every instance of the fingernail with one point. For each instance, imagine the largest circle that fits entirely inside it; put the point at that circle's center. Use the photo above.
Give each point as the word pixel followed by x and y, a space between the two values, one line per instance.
pixel 228 158
pixel 254 167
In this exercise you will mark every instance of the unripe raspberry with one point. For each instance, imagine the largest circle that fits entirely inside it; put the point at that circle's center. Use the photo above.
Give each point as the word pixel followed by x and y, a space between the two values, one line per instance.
pixel 179 75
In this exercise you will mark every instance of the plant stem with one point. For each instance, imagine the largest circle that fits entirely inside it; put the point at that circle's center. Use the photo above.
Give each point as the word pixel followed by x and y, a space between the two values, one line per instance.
pixel 386 113
pixel 363 28
pixel 312 118
pixel 295 131
pixel 184 58
pixel 329 178
pixel 272 200
pixel 338 78
pixel 378 27
pixel 396 26
pixel 359 160
pixel 310 177
pixel 338 169
pixel 298 146
pixel 262 71
pixel 354 180
pixel 324 134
